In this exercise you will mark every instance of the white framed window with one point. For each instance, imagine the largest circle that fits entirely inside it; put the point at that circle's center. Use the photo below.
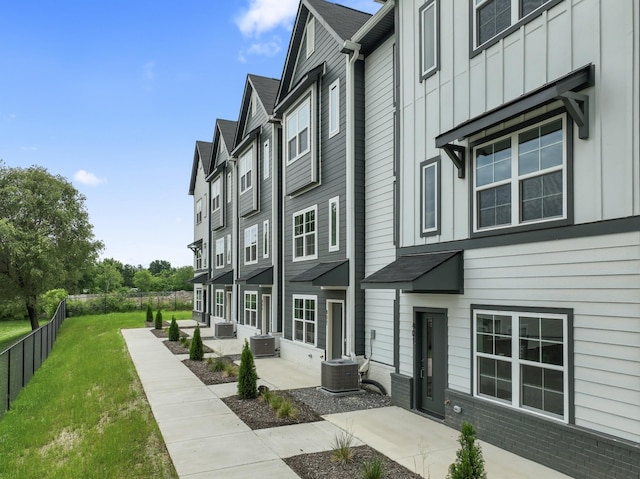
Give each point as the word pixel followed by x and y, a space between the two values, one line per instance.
pixel 229 249
pixel 220 253
pixel 334 108
pixel 305 235
pixel 219 303
pixel 229 187
pixel 297 125
pixel 198 299
pixel 304 318
pixel 215 195
pixel 199 211
pixel 251 308
pixel 311 36
pixel 204 255
pixel 492 17
pixel 246 170
pixel 521 359
pixel 266 160
pixel 198 254
pixel 265 239
pixel 430 196
pixel 334 224
pixel 251 245
pixel 429 38
pixel 521 178
pixel 205 206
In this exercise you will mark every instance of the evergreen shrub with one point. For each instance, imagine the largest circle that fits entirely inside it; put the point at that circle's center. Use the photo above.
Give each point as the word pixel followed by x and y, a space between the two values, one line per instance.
pixel 174 331
pixel 196 351
pixel 469 461
pixel 247 375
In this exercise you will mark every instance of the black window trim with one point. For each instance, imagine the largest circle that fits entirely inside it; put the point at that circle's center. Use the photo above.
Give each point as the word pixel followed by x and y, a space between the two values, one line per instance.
pixel 569 220
pixel 436 67
pixel 476 50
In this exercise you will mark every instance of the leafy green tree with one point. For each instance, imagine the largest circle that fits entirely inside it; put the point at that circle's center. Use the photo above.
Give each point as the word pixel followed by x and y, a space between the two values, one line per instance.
pixel 180 277
pixel 50 300
pixel 46 239
pixel 469 461
pixel 107 277
pixel 247 374
pixel 158 266
pixel 143 280
pixel 128 271
pixel 196 351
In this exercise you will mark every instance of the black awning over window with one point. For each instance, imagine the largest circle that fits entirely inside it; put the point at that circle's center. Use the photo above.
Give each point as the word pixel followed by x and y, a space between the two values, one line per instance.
pixel 200 279
pixel 335 273
pixel 440 272
pixel 258 276
pixel 196 245
pixel 222 278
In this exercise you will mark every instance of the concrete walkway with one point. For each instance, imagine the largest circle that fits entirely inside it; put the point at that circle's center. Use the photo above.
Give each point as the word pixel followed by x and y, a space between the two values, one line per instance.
pixel 206 439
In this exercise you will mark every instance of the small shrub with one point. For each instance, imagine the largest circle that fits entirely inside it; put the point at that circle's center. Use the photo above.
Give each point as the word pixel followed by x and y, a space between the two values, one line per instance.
pixel 342 444
pixel 247 375
pixel 275 401
pixel 196 351
pixel 149 313
pixel 185 342
pixel 230 370
pixel 217 365
pixel 372 469
pixel 469 461
pixel 286 409
pixel 174 331
pixel 265 395
pixel 158 324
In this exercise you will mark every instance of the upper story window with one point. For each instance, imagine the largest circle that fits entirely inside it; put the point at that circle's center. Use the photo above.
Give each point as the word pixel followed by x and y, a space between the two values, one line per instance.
pixel 266 160
pixel 304 234
pixel 430 189
pixel 492 17
pixel 229 249
pixel 199 211
pixel 246 170
pixel 297 126
pixel 251 245
pixel 220 252
pixel 429 38
pixel 521 178
pixel 521 359
pixel 334 108
pixel 311 36
pixel 215 195
pixel 265 239
pixel 334 224
pixel 229 187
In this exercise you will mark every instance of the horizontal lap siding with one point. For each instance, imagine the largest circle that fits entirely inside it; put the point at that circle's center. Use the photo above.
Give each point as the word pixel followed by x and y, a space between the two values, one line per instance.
pixel 379 156
pixel 604 292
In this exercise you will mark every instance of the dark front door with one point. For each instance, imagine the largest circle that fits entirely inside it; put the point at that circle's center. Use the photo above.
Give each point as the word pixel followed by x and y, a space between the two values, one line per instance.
pixel 430 361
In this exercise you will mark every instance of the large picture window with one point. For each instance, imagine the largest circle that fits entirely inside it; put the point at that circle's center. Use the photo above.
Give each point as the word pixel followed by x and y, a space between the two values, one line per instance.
pixel 304 318
pixel 297 134
pixel 429 38
pixel 251 308
pixel 251 245
pixel 246 169
pixel 304 234
pixel 521 178
pixel 521 359
pixel 430 188
pixel 495 16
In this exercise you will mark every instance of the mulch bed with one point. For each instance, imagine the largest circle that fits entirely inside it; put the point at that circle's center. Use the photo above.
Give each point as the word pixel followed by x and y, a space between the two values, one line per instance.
pixel 320 466
pixel 177 348
pixel 208 377
pixel 257 414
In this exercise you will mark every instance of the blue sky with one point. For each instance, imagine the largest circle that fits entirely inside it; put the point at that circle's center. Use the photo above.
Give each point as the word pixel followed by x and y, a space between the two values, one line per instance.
pixel 112 95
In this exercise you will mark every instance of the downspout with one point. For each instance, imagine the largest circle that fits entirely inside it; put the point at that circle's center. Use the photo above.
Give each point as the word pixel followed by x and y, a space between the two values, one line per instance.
pixel 353 50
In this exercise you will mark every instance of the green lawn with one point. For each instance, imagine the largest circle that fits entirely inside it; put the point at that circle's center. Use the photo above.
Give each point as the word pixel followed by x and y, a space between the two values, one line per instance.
pixel 12 331
pixel 84 413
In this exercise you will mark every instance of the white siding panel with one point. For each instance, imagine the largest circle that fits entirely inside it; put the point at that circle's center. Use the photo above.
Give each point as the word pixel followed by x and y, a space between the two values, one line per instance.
pixel 559 43
pixel 494 80
pixel 535 62
pixel 514 64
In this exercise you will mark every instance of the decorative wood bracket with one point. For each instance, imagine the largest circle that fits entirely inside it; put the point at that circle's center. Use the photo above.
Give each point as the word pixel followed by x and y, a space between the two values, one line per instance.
pixel 456 153
pixel 577 105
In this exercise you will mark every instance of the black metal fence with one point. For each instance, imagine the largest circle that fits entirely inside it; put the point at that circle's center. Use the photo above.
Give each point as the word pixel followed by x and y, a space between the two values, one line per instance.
pixel 19 363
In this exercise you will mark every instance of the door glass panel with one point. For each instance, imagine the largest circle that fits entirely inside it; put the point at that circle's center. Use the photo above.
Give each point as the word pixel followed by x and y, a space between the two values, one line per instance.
pixel 429 368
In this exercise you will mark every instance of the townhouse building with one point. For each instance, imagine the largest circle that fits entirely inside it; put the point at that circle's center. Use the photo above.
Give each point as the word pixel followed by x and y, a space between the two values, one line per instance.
pixel 516 280
pixel 257 195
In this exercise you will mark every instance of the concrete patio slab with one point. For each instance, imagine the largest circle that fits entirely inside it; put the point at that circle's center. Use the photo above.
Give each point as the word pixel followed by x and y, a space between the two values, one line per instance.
pixel 285 374
pixel 275 469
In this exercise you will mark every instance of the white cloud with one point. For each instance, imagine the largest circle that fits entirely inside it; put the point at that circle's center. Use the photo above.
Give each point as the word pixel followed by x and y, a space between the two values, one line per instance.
pixel 265 15
pixel 268 49
pixel 87 178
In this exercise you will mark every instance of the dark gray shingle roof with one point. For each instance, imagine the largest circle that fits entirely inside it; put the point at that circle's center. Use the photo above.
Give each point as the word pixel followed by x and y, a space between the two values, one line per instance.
pixel 228 132
pixel 345 21
pixel 266 89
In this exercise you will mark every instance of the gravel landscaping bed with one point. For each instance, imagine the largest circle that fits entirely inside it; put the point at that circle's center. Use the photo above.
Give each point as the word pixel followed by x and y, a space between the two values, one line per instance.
pixel 257 414
pixel 324 403
pixel 321 466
